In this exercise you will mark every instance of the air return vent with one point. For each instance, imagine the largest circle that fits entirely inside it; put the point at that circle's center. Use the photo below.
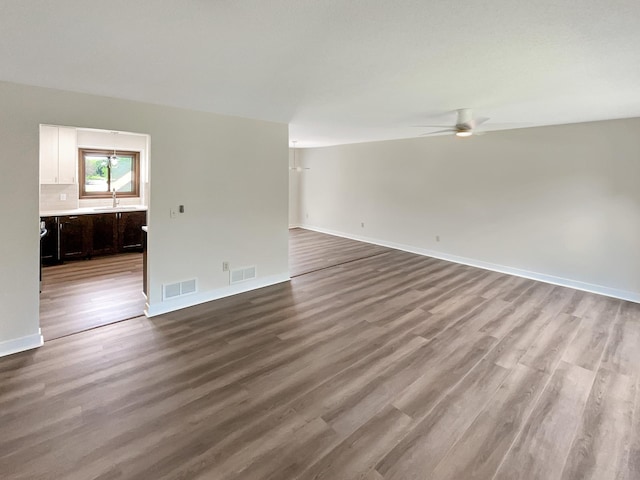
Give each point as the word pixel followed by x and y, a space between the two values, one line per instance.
pixel 173 290
pixel 242 274
pixel 188 287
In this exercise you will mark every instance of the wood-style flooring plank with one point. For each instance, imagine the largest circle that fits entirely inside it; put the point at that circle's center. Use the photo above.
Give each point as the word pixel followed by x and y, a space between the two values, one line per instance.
pixel 632 469
pixel 540 450
pixel 483 445
pixel 526 329
pixel 547 349
pixel 452 358
pixel 85 294
pixel 601 445
pixel 622 354
pixel 356 456
pixel 432 436
pixel 310 251
pixel 375 364
pixel 587 347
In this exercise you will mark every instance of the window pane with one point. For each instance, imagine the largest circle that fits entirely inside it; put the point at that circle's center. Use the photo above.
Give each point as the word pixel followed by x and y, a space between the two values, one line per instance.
pixel 96 173
pixel 122 174
pixel 103 173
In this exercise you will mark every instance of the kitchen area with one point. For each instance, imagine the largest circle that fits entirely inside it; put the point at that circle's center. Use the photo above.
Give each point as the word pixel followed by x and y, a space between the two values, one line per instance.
pixel 93 215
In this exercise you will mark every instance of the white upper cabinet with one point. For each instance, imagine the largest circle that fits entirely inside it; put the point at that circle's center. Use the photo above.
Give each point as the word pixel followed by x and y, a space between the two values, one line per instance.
pixel 48 154
pixel 67 155
pixel 58 155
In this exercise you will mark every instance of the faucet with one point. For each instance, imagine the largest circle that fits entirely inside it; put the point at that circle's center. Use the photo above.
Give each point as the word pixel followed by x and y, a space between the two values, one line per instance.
pixel 114 196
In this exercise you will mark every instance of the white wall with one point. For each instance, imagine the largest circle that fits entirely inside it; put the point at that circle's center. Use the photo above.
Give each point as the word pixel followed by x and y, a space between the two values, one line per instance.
pixel 137 142
pixel 294 189
pixel 557 203
pixel 229 172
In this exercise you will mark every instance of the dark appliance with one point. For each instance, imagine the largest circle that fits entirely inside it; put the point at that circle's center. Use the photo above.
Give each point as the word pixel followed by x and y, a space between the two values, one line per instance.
pixel 43 233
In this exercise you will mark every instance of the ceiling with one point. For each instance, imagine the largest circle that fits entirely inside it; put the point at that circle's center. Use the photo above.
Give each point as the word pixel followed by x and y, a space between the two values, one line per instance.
pixel 338 71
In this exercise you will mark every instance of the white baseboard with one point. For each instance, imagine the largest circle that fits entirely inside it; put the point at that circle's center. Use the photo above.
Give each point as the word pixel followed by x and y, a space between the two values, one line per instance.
pixel 198 298
pixel 542 277
pixel 9 347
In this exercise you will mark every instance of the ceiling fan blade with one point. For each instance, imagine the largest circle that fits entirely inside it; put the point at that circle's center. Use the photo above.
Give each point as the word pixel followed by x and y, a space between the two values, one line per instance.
pixel 433 126
pixel 448 130
pixel 478 121
pixel 479 132
pixel 508 125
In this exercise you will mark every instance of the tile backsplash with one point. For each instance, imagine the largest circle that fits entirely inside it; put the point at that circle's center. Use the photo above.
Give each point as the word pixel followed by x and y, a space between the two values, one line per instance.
pixel 105 202
pixel 50 197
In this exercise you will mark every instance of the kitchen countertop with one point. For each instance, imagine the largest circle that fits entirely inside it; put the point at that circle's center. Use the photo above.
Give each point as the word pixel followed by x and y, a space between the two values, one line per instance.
pixel 93 210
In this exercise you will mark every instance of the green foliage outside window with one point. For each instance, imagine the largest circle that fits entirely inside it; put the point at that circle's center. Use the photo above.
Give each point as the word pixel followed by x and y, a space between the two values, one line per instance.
pixel 101 176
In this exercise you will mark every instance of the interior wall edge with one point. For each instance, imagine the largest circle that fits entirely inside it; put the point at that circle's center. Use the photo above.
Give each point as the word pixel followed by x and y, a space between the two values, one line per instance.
pixel 211 295
pixel 227 166
pixel 21 344
pixel 541 277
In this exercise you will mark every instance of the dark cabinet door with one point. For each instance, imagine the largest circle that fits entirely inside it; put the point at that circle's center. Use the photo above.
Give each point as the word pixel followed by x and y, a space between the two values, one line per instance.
pixel 49 243
pixel 74 236
pixel 144 263
pixel 130 231
pixel 104 233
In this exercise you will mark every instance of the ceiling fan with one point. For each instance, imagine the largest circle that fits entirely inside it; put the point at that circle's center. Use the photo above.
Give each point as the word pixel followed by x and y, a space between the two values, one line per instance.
pixel 465 126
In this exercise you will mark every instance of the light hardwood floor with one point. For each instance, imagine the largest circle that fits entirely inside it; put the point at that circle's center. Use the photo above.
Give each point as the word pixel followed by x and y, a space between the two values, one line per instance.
pixel 394 366
pixel 85 294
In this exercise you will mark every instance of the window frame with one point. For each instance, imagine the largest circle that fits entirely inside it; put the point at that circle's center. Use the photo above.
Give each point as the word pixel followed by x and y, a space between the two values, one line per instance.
pixel 135 173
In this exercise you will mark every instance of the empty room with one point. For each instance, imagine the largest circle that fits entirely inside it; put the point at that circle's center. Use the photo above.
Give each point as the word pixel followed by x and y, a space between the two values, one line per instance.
pixel 320 240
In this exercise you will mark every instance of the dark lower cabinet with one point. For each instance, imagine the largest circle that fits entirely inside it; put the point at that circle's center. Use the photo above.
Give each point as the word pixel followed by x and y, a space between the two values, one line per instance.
pixel 104 234
pixel 144 262
pixel 130 231
pixel 75 237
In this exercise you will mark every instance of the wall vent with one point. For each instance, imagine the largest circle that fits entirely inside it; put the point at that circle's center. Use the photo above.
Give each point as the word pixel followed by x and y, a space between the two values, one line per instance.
pixel 173 290
pixel 242 274
pixel 188 286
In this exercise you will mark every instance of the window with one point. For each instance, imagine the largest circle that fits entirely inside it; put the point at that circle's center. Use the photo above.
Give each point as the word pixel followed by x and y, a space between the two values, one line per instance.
pixel 102 171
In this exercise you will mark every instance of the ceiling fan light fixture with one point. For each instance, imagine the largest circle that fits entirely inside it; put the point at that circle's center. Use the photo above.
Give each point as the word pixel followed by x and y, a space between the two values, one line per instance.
pixel 464 133
pixel 295 167
pixel 466 125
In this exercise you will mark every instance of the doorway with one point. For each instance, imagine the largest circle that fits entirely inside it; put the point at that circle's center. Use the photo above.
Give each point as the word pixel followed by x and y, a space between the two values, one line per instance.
pixel 94 192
